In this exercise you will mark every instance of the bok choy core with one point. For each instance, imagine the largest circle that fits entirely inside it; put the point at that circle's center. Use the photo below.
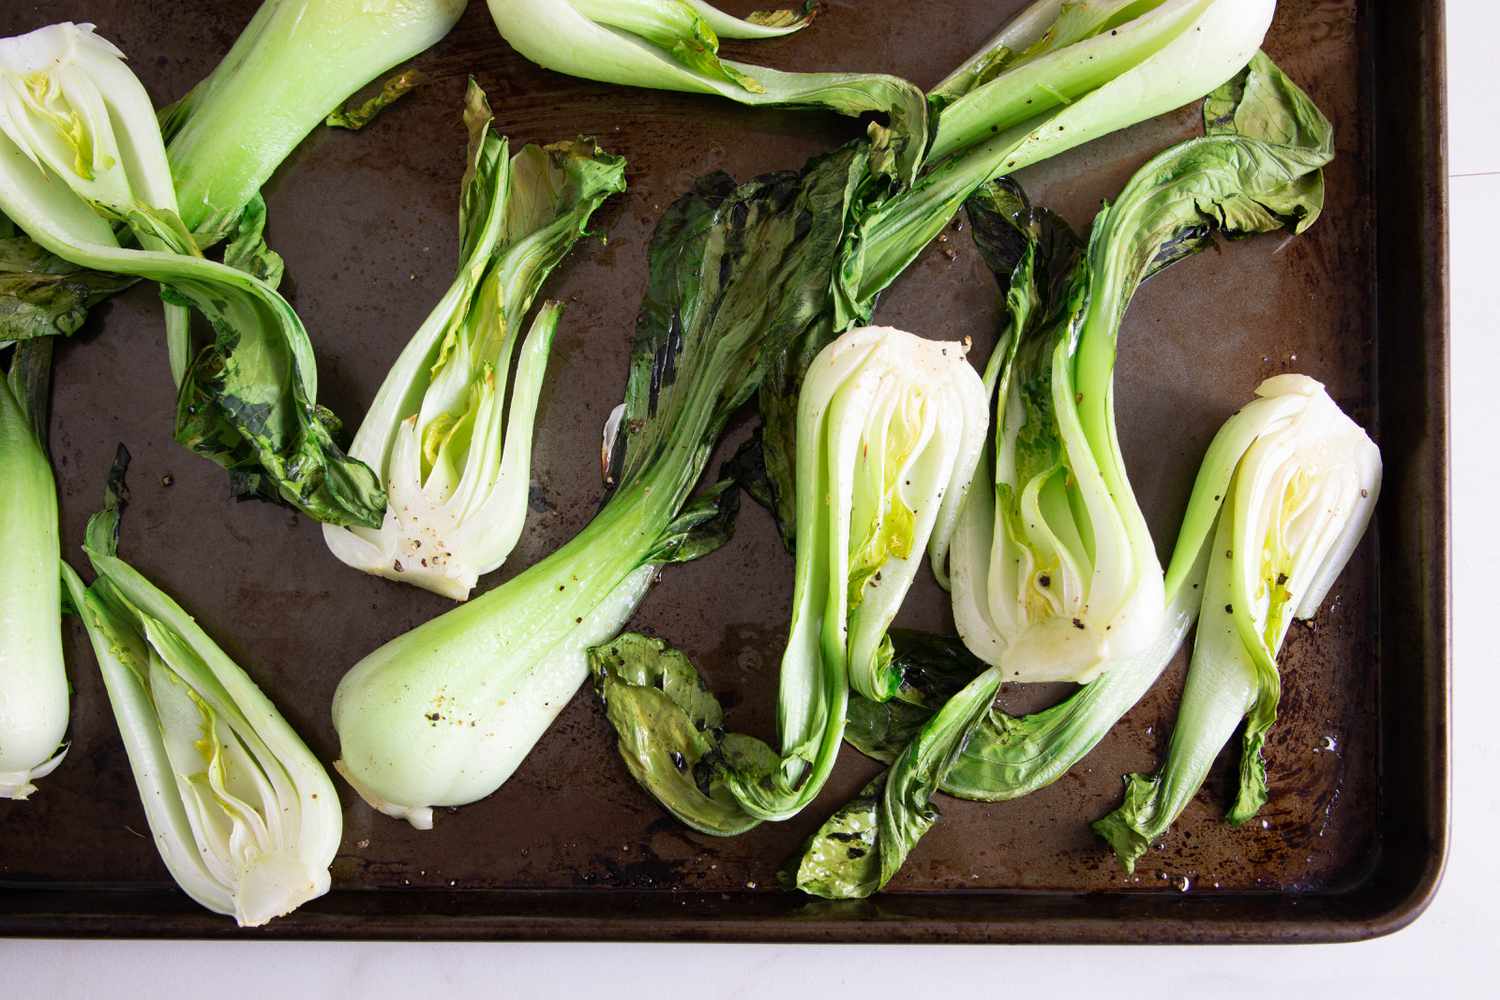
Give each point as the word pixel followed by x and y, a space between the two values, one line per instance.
pixel 1257 170
pixel 445 713
pixel 80 154
pixel 457 472
pixel 674 45
pixel 244 816
pixel 33 683
pixel 1303 487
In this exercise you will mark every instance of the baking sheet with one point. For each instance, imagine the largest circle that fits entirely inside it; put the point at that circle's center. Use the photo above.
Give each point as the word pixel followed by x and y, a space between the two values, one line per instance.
pixel 571 846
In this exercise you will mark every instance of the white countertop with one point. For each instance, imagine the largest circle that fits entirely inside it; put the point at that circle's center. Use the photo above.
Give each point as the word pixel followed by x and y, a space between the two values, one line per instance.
pixel 1449 952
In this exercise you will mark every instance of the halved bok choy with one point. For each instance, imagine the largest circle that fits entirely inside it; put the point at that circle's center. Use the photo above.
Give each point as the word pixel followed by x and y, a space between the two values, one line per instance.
pixel 33 682
pixel 458 474
pixel 81 165
pixel 244 816
pixel 1304 483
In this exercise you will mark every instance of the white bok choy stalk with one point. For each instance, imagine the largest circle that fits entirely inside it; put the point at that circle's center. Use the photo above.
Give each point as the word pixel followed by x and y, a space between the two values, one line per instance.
pixel 81 166
pixel 1301 494
pixel 456 472
pixel 33 682
pixel 674 45
pixel 244 816
pixel 890 427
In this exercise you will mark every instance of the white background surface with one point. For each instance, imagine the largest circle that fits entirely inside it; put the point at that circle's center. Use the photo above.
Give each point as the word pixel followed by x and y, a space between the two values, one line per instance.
pixel 1449 952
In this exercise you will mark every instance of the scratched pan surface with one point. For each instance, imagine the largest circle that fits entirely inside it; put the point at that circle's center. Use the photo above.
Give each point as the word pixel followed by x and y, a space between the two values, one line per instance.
pixel 1351 843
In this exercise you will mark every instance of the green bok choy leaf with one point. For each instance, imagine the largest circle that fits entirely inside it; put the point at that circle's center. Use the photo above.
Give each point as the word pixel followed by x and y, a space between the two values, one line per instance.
pixel 457 472
pixel 243 815
pixel 80 154
pixel 33 682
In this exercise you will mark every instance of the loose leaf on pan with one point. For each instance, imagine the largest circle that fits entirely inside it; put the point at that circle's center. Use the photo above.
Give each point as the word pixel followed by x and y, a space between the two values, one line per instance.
pixel 356 116
pixel 842 859
pixel 894 811
pixel 670 732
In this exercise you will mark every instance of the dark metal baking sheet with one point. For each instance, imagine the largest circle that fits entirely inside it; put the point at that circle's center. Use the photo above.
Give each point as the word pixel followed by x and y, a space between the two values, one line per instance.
pixel 1353 840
